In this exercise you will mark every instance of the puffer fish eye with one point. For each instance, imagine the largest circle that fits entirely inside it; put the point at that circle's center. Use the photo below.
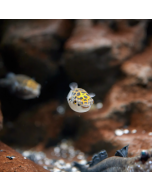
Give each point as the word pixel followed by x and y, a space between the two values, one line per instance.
pixel 75 102
pixel 78 104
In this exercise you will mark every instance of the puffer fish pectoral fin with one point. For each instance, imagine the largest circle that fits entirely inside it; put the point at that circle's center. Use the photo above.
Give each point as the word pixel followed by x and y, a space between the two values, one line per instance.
pixel 73 85
pixel 92 95
pixel 123 152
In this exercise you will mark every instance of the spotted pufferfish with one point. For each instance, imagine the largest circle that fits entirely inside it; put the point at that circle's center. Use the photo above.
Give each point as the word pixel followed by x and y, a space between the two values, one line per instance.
pixel 78 99
pixel 21 86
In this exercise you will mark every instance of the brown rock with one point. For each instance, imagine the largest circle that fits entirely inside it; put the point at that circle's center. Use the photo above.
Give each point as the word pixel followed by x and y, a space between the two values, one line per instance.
pixel 102 135
pixel 140 65
pixel 128 104
pixel 39 125
pixel 121 96
pixel 116 24
pixel 96 48
pixel 18 163
pixel 1 119
pixel 34 46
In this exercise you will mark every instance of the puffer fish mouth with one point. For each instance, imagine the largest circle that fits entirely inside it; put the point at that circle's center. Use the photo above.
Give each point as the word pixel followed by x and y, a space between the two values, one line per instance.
pixel 85 106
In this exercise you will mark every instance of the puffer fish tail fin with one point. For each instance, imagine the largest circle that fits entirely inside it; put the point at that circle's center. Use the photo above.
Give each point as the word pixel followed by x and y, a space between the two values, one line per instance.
pixel 5 83
pixel 2 82
pixel 8 81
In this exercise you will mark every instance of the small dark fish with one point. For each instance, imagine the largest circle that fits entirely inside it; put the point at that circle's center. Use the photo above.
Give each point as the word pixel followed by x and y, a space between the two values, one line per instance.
pixel 21 85
pixel 118 163
pixel 10 157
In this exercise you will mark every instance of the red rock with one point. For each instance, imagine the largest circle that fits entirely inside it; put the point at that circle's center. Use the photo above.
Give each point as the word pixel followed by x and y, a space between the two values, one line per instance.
pixel 18 163
pixel 102 136
pixel 122 95
pixel 43 123
pixel 140 65
pixel 96 48
pixel 128 102
pixel 1 119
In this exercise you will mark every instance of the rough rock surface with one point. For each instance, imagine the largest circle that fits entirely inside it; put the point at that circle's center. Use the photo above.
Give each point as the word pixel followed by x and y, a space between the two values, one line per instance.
pixel 140 65
pixel 43 123
pixel 34 45
pixel 1 118
pixel 127 106
pixel 93 45
pixel 18 163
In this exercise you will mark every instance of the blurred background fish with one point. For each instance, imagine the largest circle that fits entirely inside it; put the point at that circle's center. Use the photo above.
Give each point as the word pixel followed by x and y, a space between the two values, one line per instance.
pixel 21 85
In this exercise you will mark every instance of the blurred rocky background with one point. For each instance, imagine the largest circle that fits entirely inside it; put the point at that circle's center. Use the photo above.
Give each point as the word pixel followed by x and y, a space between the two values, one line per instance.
pixel 112 58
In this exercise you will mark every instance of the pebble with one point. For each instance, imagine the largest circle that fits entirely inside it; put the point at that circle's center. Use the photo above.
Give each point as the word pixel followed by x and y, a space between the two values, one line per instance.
pixel 56 170
pixel 10 157
pixel 74 169
pixel 68 165
pixel 64 155
pixel 45 167
pixel 26 153
pixel 40 162
pixel 60 109
pixel 125 131
pixel 150 133
pixel 58 165
pixel 56 150
pixel 134 131
pixel 62 150
pixel 61 162
pixel 80 157
pixel 47 161
pixel 99 105
pixel 118 132
pixel 64 146
pixel 83 162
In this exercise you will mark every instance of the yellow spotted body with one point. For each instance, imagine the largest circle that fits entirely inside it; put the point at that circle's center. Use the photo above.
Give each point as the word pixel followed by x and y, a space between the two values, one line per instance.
pixel 30 83
pixel 78 99
pixel 21 85
pixel 81 96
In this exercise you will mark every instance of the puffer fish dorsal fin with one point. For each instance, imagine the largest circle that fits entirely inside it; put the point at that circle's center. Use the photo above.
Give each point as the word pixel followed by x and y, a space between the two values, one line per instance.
pixel 92 95
pixel 73 85
pixel 10 75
